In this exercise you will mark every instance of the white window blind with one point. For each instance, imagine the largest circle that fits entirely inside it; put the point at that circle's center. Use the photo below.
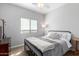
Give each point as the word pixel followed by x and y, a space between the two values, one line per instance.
pixel 29 25
pixel 33 25
pixel 25 24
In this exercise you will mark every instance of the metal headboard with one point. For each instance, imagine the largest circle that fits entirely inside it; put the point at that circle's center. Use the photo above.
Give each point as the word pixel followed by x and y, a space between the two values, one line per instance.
pixel 58 31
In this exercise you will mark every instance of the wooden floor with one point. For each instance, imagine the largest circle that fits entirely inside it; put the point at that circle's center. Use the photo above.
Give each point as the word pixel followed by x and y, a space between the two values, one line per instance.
pixel 72 53
pixel 20 52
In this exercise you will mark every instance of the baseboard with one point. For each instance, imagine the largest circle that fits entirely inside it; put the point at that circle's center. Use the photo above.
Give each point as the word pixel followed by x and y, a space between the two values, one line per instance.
pixel 17 46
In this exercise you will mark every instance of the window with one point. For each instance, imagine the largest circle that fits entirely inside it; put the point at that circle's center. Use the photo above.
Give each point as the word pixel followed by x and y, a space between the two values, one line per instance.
pixel 33 25
pixel 25 24
pixel 28 25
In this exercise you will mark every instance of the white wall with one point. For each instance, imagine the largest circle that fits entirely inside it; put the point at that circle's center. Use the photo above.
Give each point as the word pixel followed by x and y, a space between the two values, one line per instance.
pixel 64 18
pixel 12 14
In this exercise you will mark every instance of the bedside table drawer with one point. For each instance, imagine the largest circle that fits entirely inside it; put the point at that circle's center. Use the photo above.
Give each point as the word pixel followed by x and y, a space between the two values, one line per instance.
pixel 4 49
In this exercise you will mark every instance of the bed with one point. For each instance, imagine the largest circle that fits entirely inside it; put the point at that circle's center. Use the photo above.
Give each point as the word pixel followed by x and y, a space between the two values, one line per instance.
pixel 55 43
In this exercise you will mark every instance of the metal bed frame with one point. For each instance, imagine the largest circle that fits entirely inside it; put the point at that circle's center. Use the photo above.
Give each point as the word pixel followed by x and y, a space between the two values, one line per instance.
pixel 26 43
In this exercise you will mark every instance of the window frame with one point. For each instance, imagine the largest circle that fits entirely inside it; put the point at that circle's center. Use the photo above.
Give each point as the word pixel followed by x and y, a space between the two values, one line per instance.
pixel 30 30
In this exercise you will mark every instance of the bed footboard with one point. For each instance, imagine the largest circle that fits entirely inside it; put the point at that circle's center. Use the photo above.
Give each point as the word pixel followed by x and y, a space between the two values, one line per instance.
pixel 35 51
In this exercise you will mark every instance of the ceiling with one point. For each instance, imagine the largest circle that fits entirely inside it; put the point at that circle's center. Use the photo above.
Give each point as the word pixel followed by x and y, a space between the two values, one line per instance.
pixel 44 8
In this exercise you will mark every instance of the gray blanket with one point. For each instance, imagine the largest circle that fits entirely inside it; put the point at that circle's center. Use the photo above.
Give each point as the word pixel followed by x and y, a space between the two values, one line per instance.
pixel 54 48
pixel 41 44
pixel 60 47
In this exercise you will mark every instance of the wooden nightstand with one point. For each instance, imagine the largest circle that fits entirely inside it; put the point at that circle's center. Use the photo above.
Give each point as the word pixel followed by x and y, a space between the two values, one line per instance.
pixel 75 42
pixel 4 47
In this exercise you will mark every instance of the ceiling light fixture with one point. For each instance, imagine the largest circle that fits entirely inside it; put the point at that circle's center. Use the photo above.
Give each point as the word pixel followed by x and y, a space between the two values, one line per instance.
pixel 40 5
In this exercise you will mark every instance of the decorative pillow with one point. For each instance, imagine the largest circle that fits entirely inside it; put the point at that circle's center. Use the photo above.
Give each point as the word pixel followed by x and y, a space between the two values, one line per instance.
pixel 66 36
pixel 54 35
pixel 58 35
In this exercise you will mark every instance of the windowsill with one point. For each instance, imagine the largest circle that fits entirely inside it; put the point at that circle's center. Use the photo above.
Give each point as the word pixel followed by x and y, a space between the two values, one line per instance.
pixel 33 32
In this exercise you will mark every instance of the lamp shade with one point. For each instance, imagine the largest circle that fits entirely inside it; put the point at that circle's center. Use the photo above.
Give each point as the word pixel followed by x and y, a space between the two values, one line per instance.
pixel 44 25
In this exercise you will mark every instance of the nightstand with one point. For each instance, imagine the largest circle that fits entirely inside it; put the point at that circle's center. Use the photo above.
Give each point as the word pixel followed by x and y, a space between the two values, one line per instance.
pixel 75 42
pixel 4 47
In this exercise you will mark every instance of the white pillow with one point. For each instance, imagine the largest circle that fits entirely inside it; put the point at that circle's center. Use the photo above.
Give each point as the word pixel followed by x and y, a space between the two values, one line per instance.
pixel 58 35
pixel 66 36
pixel 54 36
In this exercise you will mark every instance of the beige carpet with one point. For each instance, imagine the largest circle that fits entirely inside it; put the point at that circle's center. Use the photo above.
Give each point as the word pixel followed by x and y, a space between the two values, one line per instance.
pixel 20 52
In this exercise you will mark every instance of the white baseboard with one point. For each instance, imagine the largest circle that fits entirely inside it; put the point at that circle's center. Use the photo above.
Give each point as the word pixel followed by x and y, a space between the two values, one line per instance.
pixel 17 46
